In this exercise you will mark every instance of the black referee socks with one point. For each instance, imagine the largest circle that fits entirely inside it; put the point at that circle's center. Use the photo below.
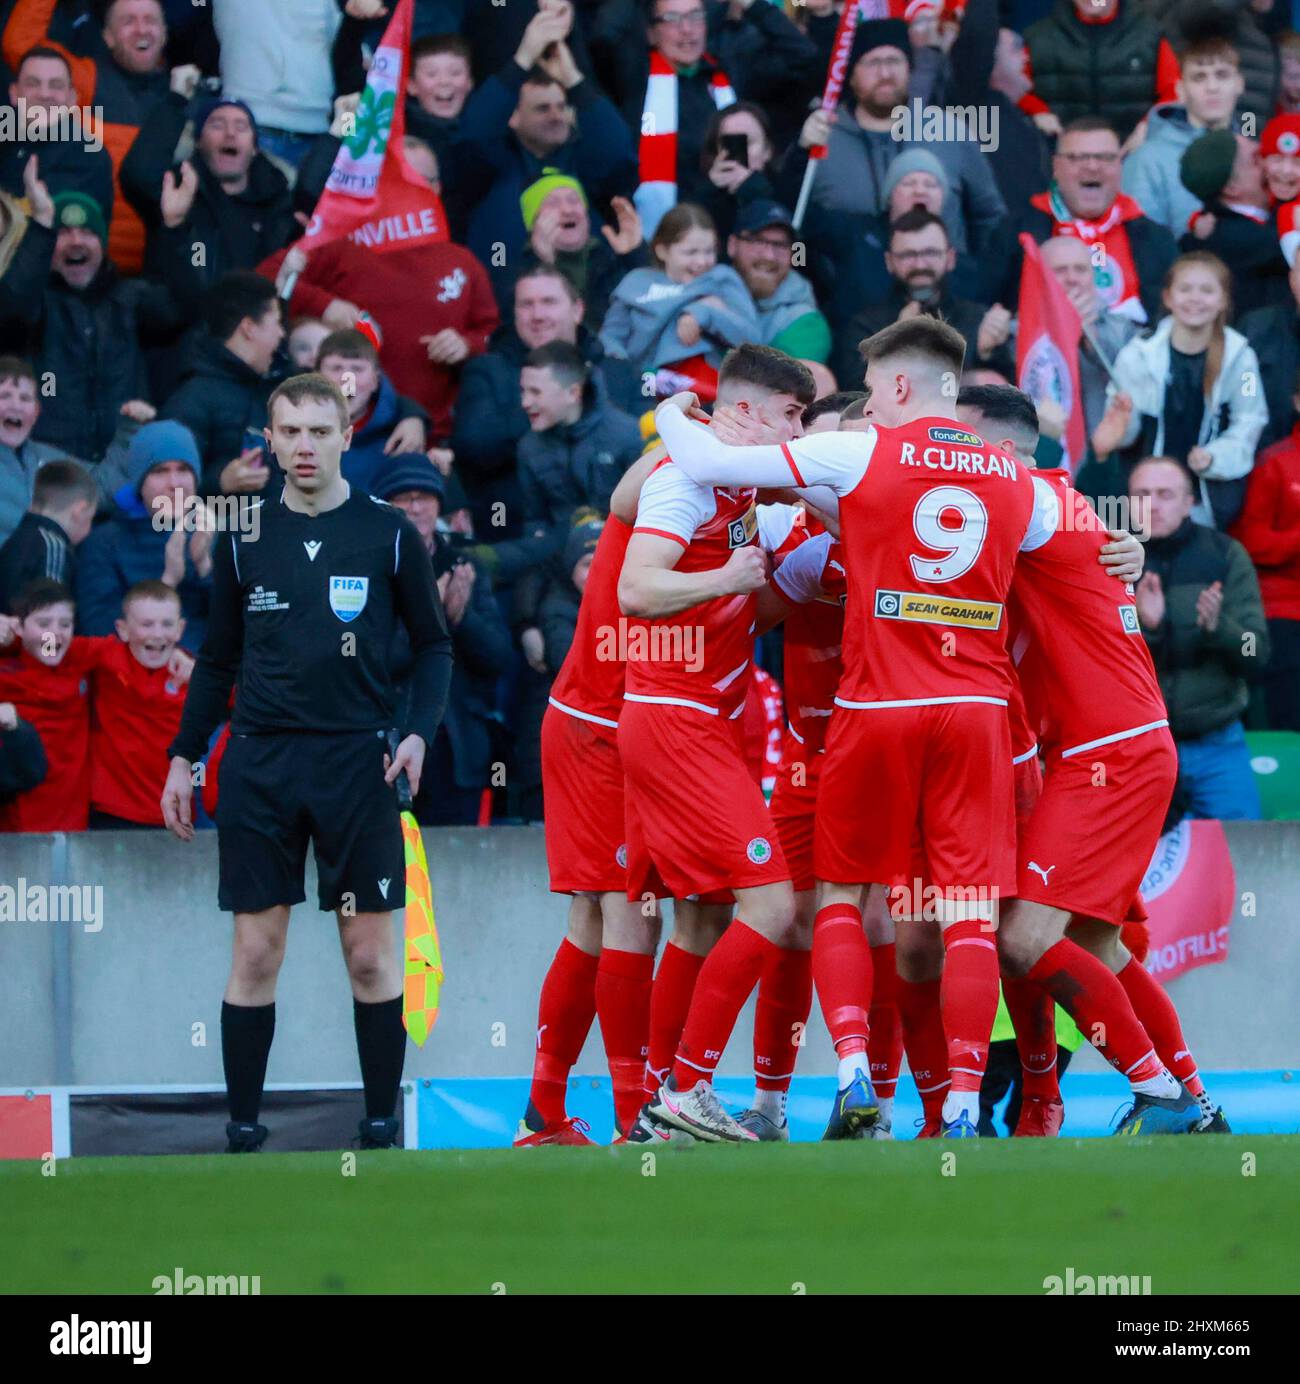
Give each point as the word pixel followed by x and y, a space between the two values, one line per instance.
pixel 381 1046
pixel 246 1033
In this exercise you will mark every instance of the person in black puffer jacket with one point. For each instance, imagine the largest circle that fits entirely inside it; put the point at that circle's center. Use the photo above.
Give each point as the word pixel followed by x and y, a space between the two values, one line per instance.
pixel 67 309
pixel 1098 57
pixel 228 197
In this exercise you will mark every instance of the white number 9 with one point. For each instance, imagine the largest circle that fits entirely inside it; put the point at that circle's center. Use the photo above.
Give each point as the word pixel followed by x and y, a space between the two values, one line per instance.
pixel 959 548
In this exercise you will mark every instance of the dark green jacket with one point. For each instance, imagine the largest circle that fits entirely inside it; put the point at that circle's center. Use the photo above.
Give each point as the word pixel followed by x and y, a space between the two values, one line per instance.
pixel 1203 675
pixel 1095 69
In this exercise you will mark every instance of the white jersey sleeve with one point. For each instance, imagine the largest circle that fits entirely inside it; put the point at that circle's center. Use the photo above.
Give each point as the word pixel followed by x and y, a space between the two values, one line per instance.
pixel 835 459
pixel 838 460
pixel 775 524
pixel 1045 518
pixel 799 576
pixel 671 505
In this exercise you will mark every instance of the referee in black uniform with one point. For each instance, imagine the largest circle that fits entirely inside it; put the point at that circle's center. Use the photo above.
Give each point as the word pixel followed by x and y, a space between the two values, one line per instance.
pixel 301 621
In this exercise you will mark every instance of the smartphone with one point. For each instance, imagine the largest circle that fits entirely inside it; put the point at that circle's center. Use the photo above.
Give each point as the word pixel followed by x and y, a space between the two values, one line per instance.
pixel 736 148
pixel 253 438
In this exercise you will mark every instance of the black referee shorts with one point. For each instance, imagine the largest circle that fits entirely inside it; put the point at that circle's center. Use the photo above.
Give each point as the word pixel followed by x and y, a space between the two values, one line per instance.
pixel 278 792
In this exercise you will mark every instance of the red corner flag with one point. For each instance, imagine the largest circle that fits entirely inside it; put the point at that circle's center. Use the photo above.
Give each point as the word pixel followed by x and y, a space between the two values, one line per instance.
pixel 1047 349
pixel 372 194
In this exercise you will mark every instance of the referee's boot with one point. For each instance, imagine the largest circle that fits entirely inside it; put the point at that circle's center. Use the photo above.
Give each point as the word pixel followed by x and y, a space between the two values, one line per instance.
pixel 378 1134
pixel 245 1138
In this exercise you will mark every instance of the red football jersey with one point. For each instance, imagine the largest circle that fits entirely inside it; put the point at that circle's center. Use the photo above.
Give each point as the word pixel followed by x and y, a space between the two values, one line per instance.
pixel 589 684
pixel 57 702
pixel 135 716
pixel 1084 666
pixel 812 577
pixel 700 657
pixel 931 520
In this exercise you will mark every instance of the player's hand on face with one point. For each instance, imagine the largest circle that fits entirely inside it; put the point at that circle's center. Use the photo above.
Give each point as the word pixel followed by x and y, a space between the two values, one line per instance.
pixel 1123 557
pixel 178 800
pixel 739 428
pixel 684 402
pixel 409 756
pixel 1150 599
pixel 1209 606
pixel 745 571
pixel 407 436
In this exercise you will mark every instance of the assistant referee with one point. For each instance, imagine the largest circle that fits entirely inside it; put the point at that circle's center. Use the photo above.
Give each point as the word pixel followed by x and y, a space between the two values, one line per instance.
pixel 303 611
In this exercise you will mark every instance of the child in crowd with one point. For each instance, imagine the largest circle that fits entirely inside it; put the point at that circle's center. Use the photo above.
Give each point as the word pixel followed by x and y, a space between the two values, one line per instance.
pixel 64 500
pixel 137 693
pixel 681 318
pixel 305 337
pixel 48 675
pixel 1190 391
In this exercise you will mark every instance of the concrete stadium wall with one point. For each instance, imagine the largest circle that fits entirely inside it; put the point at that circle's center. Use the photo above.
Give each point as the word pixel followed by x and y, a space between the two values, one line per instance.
pixel 138 1002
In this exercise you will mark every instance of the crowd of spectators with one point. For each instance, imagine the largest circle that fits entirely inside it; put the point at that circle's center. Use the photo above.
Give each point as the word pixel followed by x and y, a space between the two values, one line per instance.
pixel 620 180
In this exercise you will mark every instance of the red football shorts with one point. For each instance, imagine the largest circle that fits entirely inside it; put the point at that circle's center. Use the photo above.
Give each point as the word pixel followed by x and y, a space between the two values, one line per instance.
pixel 691 806
pixel 1028 779
pixel 1091 837
pixel 943 771
pixel 794 808
pixel 582 785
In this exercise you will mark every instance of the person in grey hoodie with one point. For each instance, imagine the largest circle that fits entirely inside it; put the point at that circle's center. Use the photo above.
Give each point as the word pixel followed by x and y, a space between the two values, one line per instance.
pixel 1209 91
pixel 684 316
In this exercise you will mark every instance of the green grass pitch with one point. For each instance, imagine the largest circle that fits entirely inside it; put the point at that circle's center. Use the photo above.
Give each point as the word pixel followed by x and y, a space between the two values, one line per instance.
pixel 863 1217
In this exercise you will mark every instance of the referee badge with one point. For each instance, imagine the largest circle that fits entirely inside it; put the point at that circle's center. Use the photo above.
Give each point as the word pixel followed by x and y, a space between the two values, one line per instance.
pixel 348 596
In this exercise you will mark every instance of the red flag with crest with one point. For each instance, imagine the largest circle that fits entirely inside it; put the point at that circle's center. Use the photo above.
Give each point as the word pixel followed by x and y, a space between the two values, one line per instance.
pixel 372 194
pixel 1047 349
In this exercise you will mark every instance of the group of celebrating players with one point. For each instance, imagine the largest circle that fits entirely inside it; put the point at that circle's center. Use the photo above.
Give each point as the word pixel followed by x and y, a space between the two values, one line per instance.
pixel 975 773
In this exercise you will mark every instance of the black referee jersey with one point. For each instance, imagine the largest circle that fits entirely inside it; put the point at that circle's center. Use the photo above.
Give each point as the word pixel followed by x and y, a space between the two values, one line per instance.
pixel 301 622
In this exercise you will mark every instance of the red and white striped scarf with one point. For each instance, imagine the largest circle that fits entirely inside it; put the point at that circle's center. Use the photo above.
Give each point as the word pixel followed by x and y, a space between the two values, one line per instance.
pixel 658 151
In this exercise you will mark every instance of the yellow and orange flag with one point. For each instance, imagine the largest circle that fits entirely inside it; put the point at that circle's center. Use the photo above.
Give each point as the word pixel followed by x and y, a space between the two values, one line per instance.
pixel 422 981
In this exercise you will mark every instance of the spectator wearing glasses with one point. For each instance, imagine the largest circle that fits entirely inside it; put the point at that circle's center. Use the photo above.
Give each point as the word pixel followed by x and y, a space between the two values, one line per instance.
pixel 759 250
pixel 1085 200
pixel 920 260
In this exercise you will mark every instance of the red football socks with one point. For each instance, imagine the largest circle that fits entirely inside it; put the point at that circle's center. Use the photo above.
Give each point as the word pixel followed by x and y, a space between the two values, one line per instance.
pixel 1156 1013
pixel 564 1015
pixel 923 1037
pixel 780 1017
pixel 968 999
pixel 1033 1016
pixel 726 981
pixel 670 1002
pixel 885 1038
pixel 623 983
pixel 1096 1001
pixel 841 966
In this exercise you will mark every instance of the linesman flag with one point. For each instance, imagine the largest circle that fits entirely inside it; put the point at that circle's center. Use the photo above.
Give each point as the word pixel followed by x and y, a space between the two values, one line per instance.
pixel 422 970
pixel 1047 349
pixel 372 194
